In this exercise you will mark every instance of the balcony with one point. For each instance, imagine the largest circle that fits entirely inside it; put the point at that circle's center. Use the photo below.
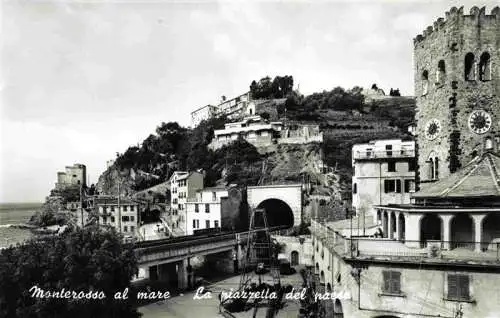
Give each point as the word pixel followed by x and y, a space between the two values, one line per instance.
pixel 385 249
pixel 397 153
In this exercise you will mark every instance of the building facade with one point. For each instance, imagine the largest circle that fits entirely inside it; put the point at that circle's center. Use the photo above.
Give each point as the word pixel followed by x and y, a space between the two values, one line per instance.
pixel 236 107
pixel 203 113
pixel 253 129
pixel 121 214
pixel 204 210
pixel 183 186
pixel 383 173
pixel 73 175
pixel 372 277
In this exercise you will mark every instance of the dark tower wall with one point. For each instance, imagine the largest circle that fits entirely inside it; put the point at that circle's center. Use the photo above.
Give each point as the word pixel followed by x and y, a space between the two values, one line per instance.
pixel 452 97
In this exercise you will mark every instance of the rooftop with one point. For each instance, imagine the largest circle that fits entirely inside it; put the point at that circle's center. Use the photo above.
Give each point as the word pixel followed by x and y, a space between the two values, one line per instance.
pixel 480 178
pixel 202 107
pixel 112 200
pixel 216 188
pixel 187 175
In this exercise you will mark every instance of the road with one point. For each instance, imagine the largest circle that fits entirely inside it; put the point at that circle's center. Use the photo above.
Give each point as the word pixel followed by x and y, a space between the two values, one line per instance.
pixel 184 306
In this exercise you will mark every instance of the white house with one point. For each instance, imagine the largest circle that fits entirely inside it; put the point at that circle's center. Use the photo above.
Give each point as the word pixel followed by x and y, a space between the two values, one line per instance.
pixel 253 129
pixel 183 185
pixel 202 113
pixel 384 173
pixel 204 210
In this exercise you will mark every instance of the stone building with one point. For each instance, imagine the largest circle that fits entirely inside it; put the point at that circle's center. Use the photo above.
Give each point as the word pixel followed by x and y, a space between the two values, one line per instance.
pixel 457 89
pixel 383 173
pixel 73 175
pixel 294 133
pixel 437 256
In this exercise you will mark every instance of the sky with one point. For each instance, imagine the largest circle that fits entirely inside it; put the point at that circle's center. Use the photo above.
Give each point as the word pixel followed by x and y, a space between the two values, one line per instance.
pixel 83 80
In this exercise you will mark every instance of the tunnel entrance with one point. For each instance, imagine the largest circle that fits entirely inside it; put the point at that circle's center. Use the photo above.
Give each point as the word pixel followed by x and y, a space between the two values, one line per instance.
pixel 150 216
pixel 277 212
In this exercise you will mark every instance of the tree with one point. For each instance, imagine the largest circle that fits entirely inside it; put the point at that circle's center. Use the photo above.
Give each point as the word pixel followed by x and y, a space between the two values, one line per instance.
pixel 265 116
pixel 82 260
pixel 279 87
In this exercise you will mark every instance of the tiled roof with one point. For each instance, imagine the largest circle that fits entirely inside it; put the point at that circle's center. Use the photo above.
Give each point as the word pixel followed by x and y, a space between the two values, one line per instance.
pixel 187 175
pixel 480 178
pixel 356 222
pixel 215 188
pixel 113 201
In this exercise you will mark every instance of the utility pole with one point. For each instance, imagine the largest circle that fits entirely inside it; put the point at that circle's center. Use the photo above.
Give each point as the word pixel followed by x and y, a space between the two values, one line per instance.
pixel 81 204
pixel 119 210
pixel 460 312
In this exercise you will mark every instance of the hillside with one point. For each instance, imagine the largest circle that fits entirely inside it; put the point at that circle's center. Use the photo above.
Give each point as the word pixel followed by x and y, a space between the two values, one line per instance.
pixel 173 147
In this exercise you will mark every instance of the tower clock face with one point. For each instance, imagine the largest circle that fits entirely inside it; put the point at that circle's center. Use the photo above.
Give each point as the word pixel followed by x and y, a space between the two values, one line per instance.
pixel 479 121
pixel 432 129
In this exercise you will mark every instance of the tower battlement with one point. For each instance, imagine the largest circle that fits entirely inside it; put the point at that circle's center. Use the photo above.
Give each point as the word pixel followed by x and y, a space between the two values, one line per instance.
pixel 457 18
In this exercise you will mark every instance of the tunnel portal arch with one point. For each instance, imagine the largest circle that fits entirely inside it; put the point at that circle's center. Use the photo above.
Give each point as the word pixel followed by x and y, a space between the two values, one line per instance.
pixel 284 198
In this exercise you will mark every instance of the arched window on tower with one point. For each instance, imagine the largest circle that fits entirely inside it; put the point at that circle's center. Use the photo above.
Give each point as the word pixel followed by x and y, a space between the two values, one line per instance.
pixel 470 72
pixel 441 73
pixel 473 154
pixel 425 82
pixel 488 143
pixel 485 67
pixel 430 168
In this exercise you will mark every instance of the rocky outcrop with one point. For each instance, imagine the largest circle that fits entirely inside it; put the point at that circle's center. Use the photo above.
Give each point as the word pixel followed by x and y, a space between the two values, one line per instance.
pixel 114 178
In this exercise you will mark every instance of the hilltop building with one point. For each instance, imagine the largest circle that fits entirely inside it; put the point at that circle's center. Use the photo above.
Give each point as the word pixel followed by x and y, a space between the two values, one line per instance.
pixel 202 113
pixel 183 186
pixel 73 175
pixel 383 173
pixel 234 109
pixel 204 210
pixel 295 133
pixel 254 129
pixel 262 133
pixel 437 256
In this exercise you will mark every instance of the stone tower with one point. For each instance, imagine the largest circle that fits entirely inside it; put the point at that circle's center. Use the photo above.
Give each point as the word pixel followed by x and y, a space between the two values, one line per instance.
pixel 457 87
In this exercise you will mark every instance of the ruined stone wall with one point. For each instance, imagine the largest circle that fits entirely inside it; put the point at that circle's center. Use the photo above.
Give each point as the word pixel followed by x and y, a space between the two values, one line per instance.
pixel 450 98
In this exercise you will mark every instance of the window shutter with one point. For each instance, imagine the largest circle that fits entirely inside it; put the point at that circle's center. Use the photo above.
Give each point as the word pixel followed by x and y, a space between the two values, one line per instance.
pixel 386 287
pixel 392 282
pixel 463 287
pixel 398 186
pixel 396 282
pixel 452 286
pixel 386 185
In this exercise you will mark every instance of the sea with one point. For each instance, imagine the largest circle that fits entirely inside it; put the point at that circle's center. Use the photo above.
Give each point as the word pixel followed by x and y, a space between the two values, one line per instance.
pixel 13 220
